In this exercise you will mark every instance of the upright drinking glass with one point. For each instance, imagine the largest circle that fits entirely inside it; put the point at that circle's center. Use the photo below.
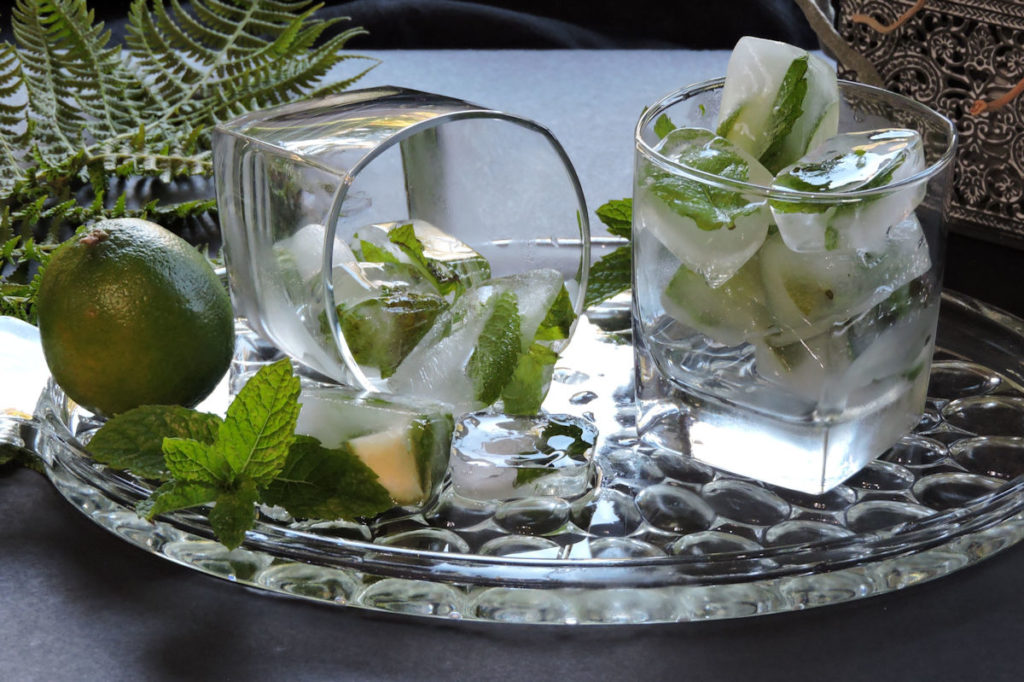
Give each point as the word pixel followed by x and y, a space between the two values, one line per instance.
pixel 372 235
pixel 792 342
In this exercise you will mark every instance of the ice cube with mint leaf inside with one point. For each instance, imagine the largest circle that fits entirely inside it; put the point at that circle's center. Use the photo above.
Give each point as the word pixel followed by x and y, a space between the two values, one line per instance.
pixel 446 262
pixel 712 230
pixel 381 331
pixel 849 162
pixel 778 101
pixel 471 355
pixel 501 457
pixel 731 313
pixel 884 346
pixel 807 293
pixel 404 442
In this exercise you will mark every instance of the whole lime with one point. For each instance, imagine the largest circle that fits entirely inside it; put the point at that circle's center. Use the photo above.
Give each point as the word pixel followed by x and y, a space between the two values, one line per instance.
pixel 130 314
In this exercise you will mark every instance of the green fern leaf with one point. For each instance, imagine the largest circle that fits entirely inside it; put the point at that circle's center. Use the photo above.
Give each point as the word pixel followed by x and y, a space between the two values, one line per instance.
pixel 80 116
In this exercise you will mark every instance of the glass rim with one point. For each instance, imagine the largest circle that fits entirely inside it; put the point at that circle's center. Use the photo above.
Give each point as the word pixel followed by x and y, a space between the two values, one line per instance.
pixel 786 194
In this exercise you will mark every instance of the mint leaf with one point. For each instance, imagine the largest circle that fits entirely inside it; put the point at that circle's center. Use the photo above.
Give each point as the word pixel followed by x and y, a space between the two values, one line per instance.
pixel 558 322
pixel 786 109
pixel 442 276
pixel 529 384
pixel 610 276
pixel 380 332
pixel 709 207
pixel 494 359
pixel 528 475
pixel 431 438
pixel 725 128
pixel 234 513
pixel 663 126
pixel 175 495
pixel 260 424
pixel 371 253
pixel 617 215
pixel 192 461
pixel 568 438
pixel 134 439
pixel 322 483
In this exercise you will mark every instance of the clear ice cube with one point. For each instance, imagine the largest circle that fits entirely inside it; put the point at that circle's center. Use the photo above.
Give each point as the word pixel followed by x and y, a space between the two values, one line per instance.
pixel 497 457
pixel 847 163
pixel 305 249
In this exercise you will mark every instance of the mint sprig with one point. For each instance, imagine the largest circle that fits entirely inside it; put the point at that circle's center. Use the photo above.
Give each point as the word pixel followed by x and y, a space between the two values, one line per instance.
pixel 250 457
pixel 249 450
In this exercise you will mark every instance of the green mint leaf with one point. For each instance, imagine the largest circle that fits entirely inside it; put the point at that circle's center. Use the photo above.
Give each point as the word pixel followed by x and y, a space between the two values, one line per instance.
pixel 320 483
pixel 663 126
pixel 725 127
pixel 568 438
pixel 529 384
pixel 234 513
pixel 609 276
pixel 558 322
pixel 175 495
pixel 709 207
pixel 786 109
pixel 494 359
pixel 371 253
pixel 528 475
pixel 831 238
pixel 440 274
pixel 190 460
pixel 134 439
pixel 260 424
pixel 380 332
pixel 617 215
pixel 431 439
pixel 404 236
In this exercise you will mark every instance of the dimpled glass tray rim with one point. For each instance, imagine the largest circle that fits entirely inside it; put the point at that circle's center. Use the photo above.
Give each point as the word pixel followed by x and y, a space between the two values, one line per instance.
pixel 335 568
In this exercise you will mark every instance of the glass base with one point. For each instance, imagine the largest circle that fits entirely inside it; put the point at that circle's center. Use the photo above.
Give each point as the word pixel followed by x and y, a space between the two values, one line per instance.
pixel 809 455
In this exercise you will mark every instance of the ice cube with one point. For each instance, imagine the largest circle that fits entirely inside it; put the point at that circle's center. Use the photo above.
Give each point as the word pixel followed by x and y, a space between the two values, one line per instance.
pixel 711 230
pixel 305 249
pixel 406 442
pixel 762 109
pixel 729 314
pixel 497 457
pixel 807 367
pixel 853 364
pixel 436 367
pixel 848 163
pixel 446 260
pixel 809 292
pixel 381 331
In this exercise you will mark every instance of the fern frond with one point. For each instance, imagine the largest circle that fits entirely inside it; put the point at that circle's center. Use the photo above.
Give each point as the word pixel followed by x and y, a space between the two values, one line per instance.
pixel 95 110
pixel 87 127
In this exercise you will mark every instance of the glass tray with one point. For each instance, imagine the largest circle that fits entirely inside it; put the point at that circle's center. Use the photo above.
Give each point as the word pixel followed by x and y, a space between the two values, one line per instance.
pixel 655 538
